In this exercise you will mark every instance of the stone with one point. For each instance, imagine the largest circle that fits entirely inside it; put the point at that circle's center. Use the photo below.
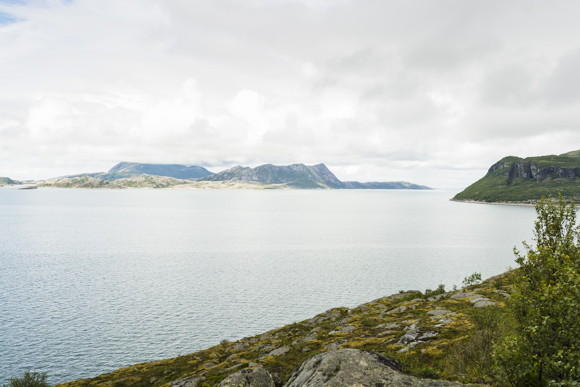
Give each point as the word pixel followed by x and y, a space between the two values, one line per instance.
pixel 443 321
pixel 241 345
pixel 388 325
pixel 336 344
pixel 428 335
pixel 233 367
pixel 187 382
pixel 398 309
pixel 461 295
pixel 209 364
pixel 408 337
pixel 279 351
pixel 356 368
pixel 439 312
pixel 231 357
pixel 255 377
pixel 483 303
pixel 312 335
pixel 343 330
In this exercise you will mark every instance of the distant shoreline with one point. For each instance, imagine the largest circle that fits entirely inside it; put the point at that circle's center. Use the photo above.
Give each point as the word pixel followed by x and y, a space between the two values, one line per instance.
pixel 495 203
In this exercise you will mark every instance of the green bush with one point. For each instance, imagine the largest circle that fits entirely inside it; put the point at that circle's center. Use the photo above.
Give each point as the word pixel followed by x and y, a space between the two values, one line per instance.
pixel 544 349
pixel 473 279
pixel 29 379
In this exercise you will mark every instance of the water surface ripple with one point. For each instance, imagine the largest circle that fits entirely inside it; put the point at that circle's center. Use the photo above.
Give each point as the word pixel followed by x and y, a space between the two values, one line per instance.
pixel 95 280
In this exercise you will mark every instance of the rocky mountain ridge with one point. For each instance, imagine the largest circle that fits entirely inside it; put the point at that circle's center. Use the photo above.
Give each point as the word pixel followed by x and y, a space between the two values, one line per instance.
pixel 295 175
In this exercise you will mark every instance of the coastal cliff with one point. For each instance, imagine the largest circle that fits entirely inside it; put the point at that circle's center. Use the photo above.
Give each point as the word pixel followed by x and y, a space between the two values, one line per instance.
pixel 525 180
pixel 411 338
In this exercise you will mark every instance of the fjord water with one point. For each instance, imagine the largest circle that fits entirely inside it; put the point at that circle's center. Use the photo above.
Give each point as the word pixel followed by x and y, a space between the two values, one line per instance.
pixel 94 280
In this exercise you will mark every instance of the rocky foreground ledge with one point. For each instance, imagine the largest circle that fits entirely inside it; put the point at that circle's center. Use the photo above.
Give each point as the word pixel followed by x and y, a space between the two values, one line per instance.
pixel 406 339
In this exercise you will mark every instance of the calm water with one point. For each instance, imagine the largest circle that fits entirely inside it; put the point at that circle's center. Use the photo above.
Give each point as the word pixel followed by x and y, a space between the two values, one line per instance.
pixel 94 280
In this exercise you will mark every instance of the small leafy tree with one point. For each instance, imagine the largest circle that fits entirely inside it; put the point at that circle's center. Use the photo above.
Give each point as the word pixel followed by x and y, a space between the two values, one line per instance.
pixel 29 379
pixel 473 279
pixel 544 349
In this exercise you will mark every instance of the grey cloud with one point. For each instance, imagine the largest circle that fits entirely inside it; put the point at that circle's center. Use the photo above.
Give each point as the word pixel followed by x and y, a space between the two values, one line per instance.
pixel 563 85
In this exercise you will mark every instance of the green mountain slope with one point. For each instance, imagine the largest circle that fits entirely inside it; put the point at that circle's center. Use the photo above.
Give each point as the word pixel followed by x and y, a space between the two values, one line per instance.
pixel 515 179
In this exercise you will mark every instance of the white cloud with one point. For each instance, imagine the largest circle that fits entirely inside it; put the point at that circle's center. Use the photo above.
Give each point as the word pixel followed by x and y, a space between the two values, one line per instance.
pixel 432 92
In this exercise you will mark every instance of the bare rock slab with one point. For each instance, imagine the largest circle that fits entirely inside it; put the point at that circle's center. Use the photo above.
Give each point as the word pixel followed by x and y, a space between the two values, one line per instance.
pixel 356 368
pixel 255 377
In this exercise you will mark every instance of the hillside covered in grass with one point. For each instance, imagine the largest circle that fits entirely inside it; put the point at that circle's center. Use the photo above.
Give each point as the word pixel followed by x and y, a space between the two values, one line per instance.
pixel 526 180
pixel 433 334
pixel 7 181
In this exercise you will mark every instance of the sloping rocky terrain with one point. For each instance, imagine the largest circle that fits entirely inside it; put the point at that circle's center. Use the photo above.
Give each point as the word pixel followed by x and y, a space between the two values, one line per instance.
pixel 406 339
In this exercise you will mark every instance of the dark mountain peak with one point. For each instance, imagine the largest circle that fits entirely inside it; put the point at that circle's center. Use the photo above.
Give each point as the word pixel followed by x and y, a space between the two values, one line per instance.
pixel 295 175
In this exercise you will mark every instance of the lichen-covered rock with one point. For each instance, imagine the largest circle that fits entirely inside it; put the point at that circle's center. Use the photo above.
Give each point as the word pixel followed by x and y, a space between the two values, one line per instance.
pixel 254 377
pixel 187 382
pixel 352 367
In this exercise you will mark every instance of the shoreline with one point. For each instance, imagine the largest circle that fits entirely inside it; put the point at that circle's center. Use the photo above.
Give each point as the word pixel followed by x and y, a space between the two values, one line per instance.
pixel 521 204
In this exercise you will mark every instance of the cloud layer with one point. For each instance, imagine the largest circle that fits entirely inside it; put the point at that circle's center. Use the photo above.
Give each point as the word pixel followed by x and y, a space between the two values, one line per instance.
pixel 429 92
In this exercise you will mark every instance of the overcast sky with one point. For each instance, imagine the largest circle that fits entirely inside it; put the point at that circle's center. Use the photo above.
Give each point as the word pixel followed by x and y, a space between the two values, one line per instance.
pixel 431 92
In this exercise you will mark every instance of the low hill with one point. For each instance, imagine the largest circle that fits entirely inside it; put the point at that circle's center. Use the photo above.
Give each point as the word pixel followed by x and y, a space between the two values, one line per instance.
pixel 88 181
pixel 7 181
pixel 526 180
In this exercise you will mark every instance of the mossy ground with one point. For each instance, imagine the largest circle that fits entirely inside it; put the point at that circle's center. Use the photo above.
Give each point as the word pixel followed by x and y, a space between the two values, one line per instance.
pixel 373 326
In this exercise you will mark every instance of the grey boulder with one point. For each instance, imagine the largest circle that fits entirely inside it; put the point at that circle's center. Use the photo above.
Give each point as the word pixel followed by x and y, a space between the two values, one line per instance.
pixel 250 377
pixel 356 368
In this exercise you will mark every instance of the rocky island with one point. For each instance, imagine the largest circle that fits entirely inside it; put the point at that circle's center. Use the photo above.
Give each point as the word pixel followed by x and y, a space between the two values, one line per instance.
pixel 268 176
pixel 516 180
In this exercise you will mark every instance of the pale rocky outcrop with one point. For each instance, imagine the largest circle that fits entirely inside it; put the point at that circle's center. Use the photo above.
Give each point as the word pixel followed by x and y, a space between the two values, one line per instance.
pixel 356 368
pixel 250 377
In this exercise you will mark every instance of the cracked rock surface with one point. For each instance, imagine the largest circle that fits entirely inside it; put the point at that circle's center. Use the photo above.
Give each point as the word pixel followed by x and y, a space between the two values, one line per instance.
pixel 356 368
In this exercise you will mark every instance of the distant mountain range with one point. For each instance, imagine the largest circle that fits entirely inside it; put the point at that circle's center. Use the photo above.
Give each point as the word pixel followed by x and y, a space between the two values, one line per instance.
pixel 526 180
pixel 268 176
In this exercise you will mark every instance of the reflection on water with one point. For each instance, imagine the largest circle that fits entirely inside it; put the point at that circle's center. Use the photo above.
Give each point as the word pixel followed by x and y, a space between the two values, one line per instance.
pixel 94 280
